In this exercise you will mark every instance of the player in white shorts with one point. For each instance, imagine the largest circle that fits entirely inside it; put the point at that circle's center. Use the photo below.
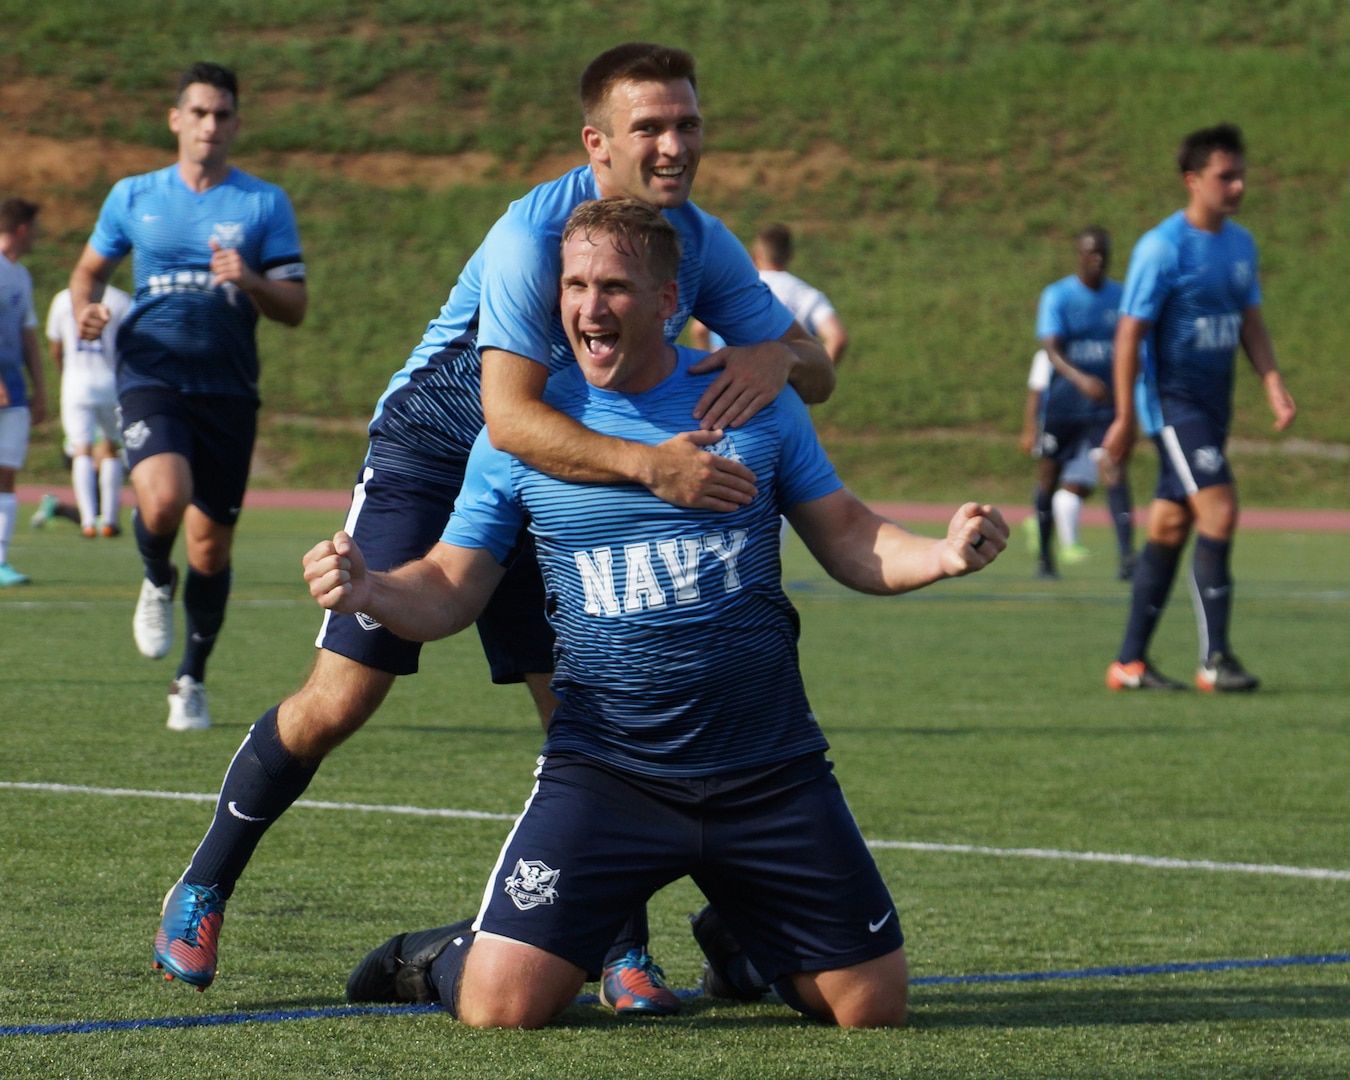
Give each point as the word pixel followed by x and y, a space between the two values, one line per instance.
pixel 89 406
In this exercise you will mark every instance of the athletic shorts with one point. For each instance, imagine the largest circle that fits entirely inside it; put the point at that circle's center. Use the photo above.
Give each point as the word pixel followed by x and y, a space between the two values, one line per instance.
pixel 215 432
pixel 1191 453
pixel 775 849
pixel 1064 437
pixel 395 518
pixel 85 423
pixel 15 423
pixel 1081 469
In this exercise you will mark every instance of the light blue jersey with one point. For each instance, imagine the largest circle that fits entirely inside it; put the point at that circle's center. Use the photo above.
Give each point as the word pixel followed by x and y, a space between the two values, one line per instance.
pixel 1193 287
pixel 182 332
pixel 16 316
pixel 676 651
pixel 507 298
pixel 1084 321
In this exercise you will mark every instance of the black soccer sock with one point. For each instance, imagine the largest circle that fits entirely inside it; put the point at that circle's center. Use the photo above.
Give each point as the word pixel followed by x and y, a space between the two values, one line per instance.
pixel 1045 524
pixel 1153 577
pixel 1213 594
pixel 204 599
pixel 263 780
pixel 446 970
pixel 633 935
pixel 155 551
pixel 1122 516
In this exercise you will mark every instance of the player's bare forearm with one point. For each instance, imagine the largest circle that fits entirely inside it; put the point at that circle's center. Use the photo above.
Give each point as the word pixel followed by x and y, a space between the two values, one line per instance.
pixel 864 551
pixel 87 282
pixel 1260 350
pixel 522 424
pixel 281 301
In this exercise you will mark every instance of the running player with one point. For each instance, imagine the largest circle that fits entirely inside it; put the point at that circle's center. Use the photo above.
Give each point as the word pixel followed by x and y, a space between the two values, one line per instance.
pixel 1192 293
pixel 1076 322
pixel 215 248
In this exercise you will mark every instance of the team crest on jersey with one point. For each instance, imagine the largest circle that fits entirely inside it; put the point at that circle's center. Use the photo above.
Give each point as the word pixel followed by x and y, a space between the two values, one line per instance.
pixel 366 622
pixel 228 234
pixel 726 447
pixel 1242 273
pixel 1208 459
pixel 532 884
pixel 135 436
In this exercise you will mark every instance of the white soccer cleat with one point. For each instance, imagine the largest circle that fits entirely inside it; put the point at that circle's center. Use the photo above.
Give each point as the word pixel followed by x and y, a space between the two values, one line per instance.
pixel 152 625
pixel 187 705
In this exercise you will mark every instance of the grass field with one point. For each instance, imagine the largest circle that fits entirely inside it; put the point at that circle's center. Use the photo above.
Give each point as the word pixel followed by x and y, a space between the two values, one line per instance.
pixel 970 717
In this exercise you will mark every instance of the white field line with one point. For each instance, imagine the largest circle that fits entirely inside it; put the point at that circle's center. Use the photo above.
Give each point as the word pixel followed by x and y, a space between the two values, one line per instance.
pixel 1151 861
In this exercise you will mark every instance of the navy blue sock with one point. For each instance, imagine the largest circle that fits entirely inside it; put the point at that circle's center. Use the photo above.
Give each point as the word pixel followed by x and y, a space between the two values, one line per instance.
pixel 155 551
pixel 1122 516
pixel 633 935
pixel 447 968
pixel 204 599
pixel 1153 577
pixel 1045 523
pixel 1213 593
pixel 261 783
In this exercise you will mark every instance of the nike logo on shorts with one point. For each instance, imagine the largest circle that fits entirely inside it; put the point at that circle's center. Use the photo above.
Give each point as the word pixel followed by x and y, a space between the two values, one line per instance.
pixel 872 926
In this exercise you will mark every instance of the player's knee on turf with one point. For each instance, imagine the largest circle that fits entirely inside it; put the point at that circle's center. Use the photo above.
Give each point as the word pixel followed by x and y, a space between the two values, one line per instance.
pixel 507 984
pixel 867 995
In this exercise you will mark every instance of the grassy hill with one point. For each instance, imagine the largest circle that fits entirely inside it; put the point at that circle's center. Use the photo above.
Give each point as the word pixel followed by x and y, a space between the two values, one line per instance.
pixel 934 159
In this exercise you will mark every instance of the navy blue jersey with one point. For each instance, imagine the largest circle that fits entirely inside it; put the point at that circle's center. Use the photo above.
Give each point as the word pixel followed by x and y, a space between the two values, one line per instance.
pixel 506 297
pixel 1192 287
pixel 676 652
pixel 182 332
pixel 1084 322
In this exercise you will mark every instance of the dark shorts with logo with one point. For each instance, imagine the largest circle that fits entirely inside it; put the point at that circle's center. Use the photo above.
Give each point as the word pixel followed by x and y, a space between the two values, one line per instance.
pixel 775 849
pixel 396 518
pixel 1191 452
pixel 1063 438
pixel 215 432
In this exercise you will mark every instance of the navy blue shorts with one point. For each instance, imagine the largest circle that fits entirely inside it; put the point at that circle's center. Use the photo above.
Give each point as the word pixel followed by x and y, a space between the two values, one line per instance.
pixel 775 849
pixel 215 432
pixel 396 518
pixel 1062 438
pixel 1190 453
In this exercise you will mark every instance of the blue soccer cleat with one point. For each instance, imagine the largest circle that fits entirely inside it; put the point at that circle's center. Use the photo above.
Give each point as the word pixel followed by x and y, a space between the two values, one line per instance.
pixel 185 947
pixel 9 576
pixel 634 985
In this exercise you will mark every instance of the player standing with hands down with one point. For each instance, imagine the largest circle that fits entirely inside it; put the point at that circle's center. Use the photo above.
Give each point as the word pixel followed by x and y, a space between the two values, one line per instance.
pixel 215 248
pixel 1193 295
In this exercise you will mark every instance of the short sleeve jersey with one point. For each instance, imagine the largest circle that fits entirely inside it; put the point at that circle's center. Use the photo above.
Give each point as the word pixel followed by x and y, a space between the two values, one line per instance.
pixel 88 368
pixel 16 316
pixel 1192 287
pixel 1084 322
pixel 182 332
pixel 676 646
pixel 506 297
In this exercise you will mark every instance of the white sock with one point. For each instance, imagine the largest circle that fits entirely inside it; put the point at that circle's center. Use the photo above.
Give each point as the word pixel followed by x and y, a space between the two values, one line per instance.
pixel 85 481
pixel 1067 508
pixel 110 488
pixel 9 510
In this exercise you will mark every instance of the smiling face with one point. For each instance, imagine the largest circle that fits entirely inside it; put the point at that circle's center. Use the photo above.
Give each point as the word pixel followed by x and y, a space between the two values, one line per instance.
pixel 206 123
pixel 649 143
pixel 614 311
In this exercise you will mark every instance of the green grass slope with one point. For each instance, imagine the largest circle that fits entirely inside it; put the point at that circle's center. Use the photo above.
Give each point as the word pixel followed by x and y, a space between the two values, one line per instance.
pixel 935 160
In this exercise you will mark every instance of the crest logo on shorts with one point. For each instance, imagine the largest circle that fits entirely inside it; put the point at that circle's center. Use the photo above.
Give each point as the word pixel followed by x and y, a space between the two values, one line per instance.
pixel 136 435
pixel 1208 459
pixel 532 884
pixel 1049 444
pixel 366 622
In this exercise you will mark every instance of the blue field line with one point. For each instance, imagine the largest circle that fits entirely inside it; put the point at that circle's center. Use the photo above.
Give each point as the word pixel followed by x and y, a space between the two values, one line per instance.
pixel 86 1027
